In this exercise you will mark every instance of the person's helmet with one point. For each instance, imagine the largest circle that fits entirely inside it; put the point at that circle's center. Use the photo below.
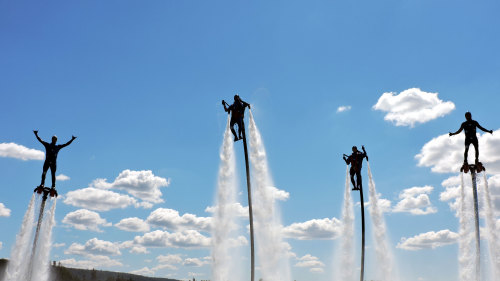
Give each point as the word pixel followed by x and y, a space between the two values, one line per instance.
pixel 236 97
pixel 354 148
pixel 54 138
pixel 468 114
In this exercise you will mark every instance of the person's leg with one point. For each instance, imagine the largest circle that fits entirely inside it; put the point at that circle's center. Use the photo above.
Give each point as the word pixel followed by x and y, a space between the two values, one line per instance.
pixel 466 153
pixel 358 179
pixel 231 125
pixel 352 178
pixel 45 168
pixel 53 172
pixel 240 127
pixel 476 147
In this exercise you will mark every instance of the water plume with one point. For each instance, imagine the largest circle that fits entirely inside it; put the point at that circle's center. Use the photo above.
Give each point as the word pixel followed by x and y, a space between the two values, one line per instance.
pixel 272 251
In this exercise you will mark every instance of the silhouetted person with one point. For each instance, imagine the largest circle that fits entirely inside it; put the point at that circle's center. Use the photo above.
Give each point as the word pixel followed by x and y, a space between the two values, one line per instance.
pixel 237 110
pixel 51 150
pixel 469 127
pixel 356 162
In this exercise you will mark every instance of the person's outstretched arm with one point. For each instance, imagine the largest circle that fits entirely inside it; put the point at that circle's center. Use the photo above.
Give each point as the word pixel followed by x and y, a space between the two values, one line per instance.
pixel 226 109
pixel 37 137
pixel 346 159
pixel 246 104
pixel 364 152
pixel 483 129
pixel 69 142
pixel 457 132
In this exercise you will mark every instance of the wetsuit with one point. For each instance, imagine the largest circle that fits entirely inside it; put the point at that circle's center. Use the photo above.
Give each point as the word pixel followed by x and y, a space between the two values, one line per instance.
pixel 356 161
pixel 237 110
pixel 469 128
pixel 51 151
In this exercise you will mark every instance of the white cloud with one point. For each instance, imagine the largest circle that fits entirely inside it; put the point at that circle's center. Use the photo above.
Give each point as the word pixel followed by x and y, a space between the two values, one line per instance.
pixel 140 184
pixel 4 211
pixel 133 225
pixel 445 154
pixel 98 199
pixel 1 245
pixel 145 271
pixel 343 108
pixel 235 208
pixel 62 177
pixel 58 245
pixel 94 247
pixel 314 229
pixel 412 106
pixel 183 239
pixel 317 270
pixel 384 205
pixel 92 262
pixel 169 259
pixel 428 240
pixel 309 261
pixel 415 200
pixel 195 262
pixel 171 220
pixel 17 151
pixel 85 220
pixel 279 194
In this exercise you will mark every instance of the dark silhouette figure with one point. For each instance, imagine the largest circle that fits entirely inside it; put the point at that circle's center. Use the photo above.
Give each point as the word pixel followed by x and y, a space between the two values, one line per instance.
pixel 51 151
pixel 356 162
pixel 237 110
pixel 469 127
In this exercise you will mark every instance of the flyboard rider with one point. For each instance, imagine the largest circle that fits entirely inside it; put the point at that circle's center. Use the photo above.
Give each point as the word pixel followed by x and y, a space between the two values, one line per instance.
pixel 356 162
pixel 51 151
pixel 237 110
pixel 469 127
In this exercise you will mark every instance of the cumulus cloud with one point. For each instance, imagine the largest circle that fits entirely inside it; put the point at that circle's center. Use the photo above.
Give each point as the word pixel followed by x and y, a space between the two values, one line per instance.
pixel 91 262
pixel 169 259
pixel 133 225
pixel 12 150
pixel 183 239
pixel 171 220
pixel 140 184
pixel 235 208
pixel 445 154
pixel 4 211
pixel 428 240
pixel 84 219
pixel 279 194
pixel 195 262
pixel 311 262
pixel 62 177
pixel 415 200
pixel 383 204
pixel 98 199
pixel 343 108
pixel 317 270
pixel 412 106
pixel 94 247
pixel 145 271
pixel 314 229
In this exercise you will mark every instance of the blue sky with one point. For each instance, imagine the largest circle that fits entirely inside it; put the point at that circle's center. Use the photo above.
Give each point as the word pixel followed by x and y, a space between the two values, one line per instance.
pixel 140 84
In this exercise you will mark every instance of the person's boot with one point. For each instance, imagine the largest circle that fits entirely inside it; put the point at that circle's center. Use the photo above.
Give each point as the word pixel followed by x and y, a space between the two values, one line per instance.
pixel 465 167
pixel 53 192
